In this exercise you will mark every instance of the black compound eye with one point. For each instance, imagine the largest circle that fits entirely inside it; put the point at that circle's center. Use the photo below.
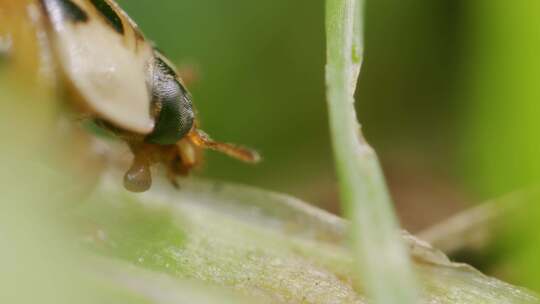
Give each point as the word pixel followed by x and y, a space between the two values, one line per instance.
pixel 176 117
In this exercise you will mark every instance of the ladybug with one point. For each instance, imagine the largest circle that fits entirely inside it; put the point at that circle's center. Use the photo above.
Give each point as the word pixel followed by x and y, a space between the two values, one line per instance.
pixel 117 78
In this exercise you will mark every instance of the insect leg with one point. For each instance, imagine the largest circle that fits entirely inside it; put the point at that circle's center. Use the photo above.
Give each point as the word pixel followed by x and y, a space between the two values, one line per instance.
pixel 139 178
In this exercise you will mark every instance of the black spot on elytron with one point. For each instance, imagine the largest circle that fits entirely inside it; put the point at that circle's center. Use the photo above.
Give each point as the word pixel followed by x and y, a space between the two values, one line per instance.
pixel 176 115
pixel 109 14
pixel 67 9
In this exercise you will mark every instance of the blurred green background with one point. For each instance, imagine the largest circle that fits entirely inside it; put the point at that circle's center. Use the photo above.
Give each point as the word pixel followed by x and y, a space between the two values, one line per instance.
pixel 448 96
pixel 261 83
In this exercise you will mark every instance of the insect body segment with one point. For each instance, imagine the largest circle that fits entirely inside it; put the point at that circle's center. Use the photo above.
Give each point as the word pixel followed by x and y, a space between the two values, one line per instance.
pixel 122 81
pixel 109 71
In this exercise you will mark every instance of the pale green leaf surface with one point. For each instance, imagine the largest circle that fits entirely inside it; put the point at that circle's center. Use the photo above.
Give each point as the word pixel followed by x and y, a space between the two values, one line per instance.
pixel 260 244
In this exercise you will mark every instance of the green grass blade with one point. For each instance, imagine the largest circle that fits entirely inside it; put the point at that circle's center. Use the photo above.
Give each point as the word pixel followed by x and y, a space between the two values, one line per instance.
pixel 383 263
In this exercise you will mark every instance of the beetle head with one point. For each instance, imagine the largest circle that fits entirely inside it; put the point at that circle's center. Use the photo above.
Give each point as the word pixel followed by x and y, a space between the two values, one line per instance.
pixel 172 106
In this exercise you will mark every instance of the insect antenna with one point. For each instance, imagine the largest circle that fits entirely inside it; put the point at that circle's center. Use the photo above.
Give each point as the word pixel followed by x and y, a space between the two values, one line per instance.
pixel 201 139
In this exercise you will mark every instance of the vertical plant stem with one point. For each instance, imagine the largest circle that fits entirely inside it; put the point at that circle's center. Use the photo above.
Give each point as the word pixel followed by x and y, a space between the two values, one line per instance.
pixel 383 265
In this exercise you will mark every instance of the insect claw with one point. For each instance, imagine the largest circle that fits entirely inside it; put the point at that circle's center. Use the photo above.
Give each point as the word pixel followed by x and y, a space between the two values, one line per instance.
pixel 138 178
